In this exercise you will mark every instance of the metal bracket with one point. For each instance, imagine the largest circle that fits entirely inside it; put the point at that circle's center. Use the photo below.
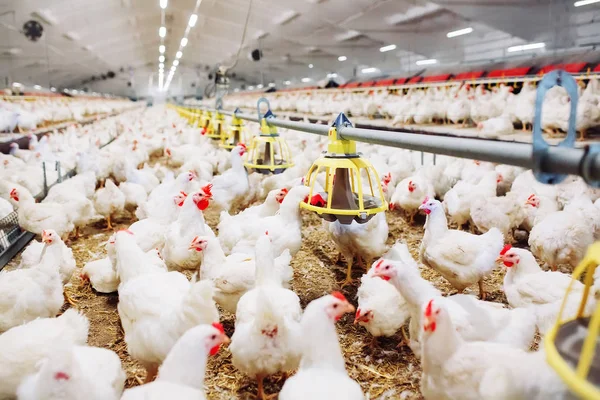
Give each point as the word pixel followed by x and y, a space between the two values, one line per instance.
pixel 258 103
pixel 341 122
pixel 219 104
pixel 540 146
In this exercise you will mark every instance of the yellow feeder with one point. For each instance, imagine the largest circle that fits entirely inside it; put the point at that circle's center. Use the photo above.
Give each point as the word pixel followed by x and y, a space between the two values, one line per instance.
pixel 206 122
pixel 235 134
pixel 269 152
pixel 347 175
pixel 573 344
pixel 216 127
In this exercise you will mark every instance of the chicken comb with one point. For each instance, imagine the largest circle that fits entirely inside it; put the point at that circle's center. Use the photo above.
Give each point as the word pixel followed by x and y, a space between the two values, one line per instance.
pixel 13 192
pixel 339 296
pixel 531 196
pixel 284 190
pixel 267 233
pixel 184 194
pixel 61 376
pixel 243 145
pixel 429 308
pixel 378 263
pixel 207 189
pixel 506 248
pixel 425 200
pixel 218 326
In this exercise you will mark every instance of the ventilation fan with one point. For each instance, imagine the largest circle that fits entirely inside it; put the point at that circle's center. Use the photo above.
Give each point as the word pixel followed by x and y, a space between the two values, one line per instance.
pixel 110 74
pixel 33 30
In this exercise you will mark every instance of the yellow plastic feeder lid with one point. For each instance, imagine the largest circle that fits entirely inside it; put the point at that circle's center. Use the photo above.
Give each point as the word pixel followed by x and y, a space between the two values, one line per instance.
pixel 352 186
pixel 573 344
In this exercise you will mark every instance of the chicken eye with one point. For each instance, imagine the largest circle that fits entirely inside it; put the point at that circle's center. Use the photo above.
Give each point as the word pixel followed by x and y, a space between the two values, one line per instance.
pixel 213 337
pixel 335 306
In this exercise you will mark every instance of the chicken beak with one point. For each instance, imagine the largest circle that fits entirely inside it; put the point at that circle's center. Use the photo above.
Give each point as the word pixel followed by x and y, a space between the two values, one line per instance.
pixel 349 308
pixel 499 259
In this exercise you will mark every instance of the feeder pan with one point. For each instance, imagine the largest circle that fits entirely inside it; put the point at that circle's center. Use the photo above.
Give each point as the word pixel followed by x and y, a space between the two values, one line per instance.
pixel 269 152
pixel 344 199
pixel 573 344
pixel 235 134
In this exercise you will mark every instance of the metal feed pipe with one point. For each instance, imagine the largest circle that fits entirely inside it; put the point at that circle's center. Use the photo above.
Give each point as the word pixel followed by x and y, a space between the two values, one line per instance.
pixel 550 164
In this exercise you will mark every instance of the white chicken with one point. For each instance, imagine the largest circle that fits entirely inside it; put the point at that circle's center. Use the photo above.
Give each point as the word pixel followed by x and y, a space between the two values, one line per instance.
pixel 109 201
pixel 474 319
pixel 456 369
pixel 267 327
pixel 36 217
pixel 458 200
pixel 189 224
pixel 231 227
pixel 32 255
pixel 410 193
pixel 181 375
pixel 504 213
pixel 24 346
pixel 381 308
pixel 322 374
pixel 72 370
pixel 233 184
pixel 460 257
pixel 234 275
pixel 33 292
pixel 152 323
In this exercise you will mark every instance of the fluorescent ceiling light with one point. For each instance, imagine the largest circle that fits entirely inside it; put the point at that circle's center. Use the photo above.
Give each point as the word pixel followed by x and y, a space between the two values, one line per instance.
pixel 332 75
pixel 250 87
pixel 17 84
pixel 173 69
pixel 389 47
pixel 287 82
pixel 164 3
pixel 311 49
pixel 585 2
pixel 193 20
pixel 179 54
pixel 161 59
pixel 38 87
pixel 525 47
pixel 459 32
pixel 162 31
pixel 15 50
pixel 306 79
pixel 236 90
pixel 71 36
pixel 427 62
pixel 286 17
pixel 176 62
pixel 310 65
pixel 351 34
pixel 271 84
pixel 259 86
pixel 53 89
pixel 342 58
pixel 161 65
pixel 184 42
pixel 161 48
pixel 369 70
pixel 46 16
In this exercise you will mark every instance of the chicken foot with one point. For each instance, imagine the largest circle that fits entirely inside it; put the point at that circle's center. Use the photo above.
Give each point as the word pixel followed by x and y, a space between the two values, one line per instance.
pixel 348 279
pixel 405 340
pixel 261 390
pixel 69 300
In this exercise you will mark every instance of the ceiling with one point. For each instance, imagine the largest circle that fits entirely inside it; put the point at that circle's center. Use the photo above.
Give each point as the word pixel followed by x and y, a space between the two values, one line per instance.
pixel 122 36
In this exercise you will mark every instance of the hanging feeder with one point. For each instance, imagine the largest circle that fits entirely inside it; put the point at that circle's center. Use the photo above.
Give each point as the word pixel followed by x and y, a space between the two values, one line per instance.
pixel 573 345
pixel 235 133
pixel 206 123
pixel 269 152
pixel 352 187
pixel 197 120
pixel 217 131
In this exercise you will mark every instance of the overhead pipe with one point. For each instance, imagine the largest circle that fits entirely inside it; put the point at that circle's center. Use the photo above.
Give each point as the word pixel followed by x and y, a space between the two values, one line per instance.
pixel 549 163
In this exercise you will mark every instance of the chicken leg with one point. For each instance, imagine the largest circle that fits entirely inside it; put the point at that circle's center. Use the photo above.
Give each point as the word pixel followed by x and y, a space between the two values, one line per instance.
pixel 109 226
pixel 348 279
pixel 261 390
pixel 482 294
pixel 405 340
pixel 69 300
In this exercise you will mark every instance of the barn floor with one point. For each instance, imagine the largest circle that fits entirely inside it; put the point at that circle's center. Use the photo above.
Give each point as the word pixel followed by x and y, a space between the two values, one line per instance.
pixel 385 373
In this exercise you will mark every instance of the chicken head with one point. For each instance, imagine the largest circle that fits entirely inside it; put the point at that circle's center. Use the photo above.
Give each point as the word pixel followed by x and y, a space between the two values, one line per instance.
pixel 198 243
pixel 337 306
pixel 508 256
